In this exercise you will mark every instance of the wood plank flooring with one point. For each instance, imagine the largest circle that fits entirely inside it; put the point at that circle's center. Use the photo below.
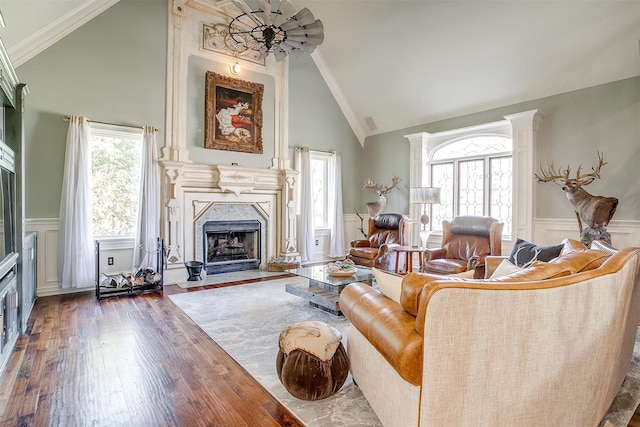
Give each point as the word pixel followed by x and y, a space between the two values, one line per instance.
pixel 130 361
pixel 127 361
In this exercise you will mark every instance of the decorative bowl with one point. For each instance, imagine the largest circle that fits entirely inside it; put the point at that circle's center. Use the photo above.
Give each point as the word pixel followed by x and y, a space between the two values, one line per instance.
pixel 341 268
pixel 342 273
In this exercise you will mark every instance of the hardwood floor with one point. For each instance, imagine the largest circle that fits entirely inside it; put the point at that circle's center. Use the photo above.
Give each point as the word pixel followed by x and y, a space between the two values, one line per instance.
pixel 127 361
pixel 130 361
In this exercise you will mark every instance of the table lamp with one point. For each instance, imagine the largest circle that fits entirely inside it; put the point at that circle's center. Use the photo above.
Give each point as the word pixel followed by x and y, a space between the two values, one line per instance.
pixel 425 196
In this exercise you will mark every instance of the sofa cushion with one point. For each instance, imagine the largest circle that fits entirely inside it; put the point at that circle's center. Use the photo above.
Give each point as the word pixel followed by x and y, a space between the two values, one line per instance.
pixel 384 236
pixel 364 252
pixel 388 221
pixel 524 253
pixel 445 266
pixel 539 270
pixel 390 284
pixel 467 246
pixel 581 260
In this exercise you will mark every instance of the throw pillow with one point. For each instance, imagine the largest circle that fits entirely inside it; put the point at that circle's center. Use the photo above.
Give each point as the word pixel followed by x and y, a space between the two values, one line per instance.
pixel 504 269
pixel 390 284
pixel 525 253
pixel 601 245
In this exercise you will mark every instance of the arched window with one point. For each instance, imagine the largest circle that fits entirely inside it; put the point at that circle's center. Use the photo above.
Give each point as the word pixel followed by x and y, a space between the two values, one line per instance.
pixel 475 177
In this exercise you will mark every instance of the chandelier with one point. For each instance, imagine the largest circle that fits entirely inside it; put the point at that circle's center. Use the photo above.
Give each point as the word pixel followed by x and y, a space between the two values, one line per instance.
pixel 281 32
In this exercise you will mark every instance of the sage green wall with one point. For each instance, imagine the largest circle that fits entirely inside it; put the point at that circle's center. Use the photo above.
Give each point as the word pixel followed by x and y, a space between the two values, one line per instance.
pixel 197 70
pixel 316 121
pixel 112 69
pixel 576 125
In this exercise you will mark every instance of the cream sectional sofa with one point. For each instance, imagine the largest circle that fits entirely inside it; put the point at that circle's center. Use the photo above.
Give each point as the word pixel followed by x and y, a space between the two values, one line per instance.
pixel 546 345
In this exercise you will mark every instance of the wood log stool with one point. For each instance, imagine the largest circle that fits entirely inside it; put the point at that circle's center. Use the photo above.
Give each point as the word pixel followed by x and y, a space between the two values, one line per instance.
pixel 312 363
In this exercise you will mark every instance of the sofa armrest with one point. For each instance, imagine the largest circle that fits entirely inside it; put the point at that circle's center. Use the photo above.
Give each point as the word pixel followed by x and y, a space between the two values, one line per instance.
pixel 387 327
pixel 430 254
pixel 360 243
pixel 381 260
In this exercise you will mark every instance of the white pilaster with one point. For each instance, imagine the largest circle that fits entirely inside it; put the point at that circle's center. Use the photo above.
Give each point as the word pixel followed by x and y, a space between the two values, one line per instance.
pixel 417 161
pixel 524 130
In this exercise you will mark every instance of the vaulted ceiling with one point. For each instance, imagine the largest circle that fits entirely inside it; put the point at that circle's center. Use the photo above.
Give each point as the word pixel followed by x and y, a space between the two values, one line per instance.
pixel 393 64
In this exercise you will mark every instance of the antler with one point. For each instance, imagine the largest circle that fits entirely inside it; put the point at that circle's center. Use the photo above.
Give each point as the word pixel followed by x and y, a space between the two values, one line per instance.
pixel 381 189
pixel 551 173
pixel 596 170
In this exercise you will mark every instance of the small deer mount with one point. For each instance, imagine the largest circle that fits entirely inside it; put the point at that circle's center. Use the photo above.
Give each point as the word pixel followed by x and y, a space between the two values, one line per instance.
pixel 376 207
pixel 594 211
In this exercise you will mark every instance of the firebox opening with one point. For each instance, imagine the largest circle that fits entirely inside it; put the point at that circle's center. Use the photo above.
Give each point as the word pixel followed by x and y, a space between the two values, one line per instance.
pixel 231 245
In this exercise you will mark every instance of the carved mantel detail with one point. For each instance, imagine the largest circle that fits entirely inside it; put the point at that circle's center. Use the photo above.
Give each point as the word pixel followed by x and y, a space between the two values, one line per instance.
pixel 192 189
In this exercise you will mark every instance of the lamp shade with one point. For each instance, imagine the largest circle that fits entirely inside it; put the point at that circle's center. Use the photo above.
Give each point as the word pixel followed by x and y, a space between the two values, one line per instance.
pixel 428 195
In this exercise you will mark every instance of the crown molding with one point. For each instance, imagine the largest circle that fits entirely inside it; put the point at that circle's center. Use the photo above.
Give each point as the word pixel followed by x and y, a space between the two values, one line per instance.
pixel 40 40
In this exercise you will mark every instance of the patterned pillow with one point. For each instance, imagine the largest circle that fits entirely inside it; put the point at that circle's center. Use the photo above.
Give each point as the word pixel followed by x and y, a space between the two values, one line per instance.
pixel 525 253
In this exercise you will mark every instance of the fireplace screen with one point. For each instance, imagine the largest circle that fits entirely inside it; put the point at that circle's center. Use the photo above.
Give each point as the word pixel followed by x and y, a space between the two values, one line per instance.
pixel 231 245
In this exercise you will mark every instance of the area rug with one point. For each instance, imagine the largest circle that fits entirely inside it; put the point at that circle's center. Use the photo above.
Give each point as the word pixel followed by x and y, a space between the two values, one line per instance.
pixel 246 320
pixel 251 316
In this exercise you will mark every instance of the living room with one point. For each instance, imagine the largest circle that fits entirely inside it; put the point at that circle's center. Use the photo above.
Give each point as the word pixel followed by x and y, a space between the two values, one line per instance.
pixel 118 68
pixel 575 125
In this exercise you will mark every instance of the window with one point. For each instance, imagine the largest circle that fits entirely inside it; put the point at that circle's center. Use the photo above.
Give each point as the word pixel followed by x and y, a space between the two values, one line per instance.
pixel 115 166
pixel 475 177
pixel 320 184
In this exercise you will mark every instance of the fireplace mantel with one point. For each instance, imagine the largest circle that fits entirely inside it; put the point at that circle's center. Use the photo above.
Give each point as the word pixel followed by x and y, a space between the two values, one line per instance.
pixel 235 179
pixel 193 191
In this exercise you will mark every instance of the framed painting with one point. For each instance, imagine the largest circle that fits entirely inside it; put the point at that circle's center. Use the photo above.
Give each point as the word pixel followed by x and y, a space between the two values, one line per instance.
pixel 233 114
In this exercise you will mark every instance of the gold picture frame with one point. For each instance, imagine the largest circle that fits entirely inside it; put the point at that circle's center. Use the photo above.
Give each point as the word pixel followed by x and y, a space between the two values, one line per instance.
pixel 233 114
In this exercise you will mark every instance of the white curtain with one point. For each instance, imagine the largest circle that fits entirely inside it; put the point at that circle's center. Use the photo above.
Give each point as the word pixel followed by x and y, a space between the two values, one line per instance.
pixel 336 223
pixel 76 262
pixel 148 227
pixel 305 222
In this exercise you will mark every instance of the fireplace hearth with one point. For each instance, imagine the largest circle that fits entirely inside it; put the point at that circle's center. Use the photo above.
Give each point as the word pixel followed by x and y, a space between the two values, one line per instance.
pixel 231 245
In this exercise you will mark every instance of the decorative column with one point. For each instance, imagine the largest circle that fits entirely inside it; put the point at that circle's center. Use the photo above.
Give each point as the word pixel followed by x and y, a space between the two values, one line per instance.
pixel 173 226
pixel 524 131
pixel 417 159
pixel 174 148
pixel 291 249
pixel 281 151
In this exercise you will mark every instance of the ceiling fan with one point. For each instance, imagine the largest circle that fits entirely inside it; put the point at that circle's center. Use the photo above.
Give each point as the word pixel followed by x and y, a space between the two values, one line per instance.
pixel 282 31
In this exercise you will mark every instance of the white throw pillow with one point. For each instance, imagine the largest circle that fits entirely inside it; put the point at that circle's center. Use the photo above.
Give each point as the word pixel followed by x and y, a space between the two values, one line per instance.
pixel 504 269
pixel 390 284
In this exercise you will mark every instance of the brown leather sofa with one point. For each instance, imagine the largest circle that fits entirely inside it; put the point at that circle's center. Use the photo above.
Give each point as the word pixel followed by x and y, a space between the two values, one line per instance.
pixel 466 241
pixel 518 349
pixel 384 230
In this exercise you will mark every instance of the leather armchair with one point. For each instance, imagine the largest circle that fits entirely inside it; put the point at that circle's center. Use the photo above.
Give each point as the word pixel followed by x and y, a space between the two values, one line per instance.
pixel 466 241
pixel 384 230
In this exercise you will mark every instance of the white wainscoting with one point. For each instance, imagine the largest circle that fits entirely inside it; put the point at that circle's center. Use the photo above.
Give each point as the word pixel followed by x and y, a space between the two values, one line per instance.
pixel 351 232
pixel 624 233
pixel 47 256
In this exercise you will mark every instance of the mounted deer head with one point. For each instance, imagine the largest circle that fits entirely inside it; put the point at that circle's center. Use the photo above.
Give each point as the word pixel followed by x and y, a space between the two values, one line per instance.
pixel 376 207
pixel 595 211
pixel 382 190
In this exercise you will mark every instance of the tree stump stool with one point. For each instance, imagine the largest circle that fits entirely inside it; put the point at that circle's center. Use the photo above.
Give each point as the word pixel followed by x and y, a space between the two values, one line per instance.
pixel 312 363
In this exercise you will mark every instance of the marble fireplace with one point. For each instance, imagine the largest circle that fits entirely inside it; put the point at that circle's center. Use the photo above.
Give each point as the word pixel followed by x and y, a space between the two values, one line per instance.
pixel 228 217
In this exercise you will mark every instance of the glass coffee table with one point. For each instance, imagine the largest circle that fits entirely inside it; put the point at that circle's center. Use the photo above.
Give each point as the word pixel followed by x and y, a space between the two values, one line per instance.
pixel 323 289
